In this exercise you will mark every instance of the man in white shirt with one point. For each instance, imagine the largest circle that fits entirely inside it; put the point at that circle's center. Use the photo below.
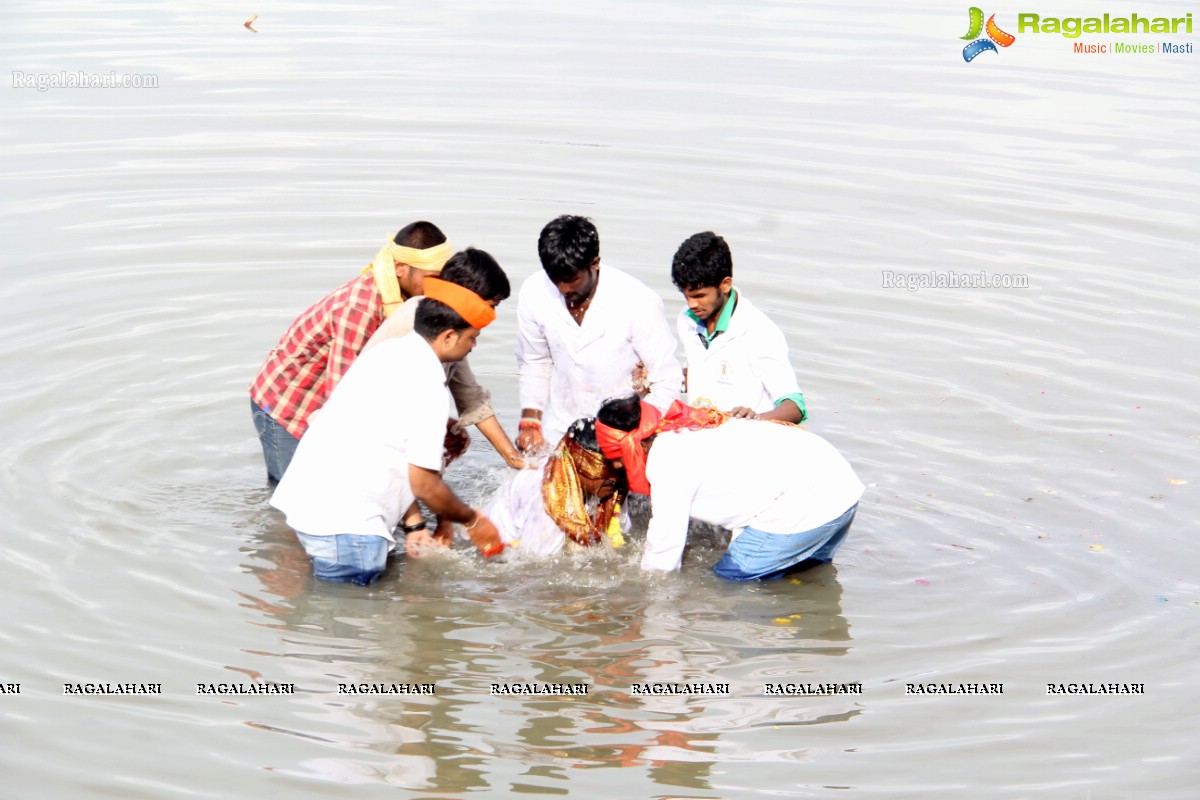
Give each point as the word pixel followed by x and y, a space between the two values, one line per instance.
pixel 736 357
pixel 377 444
pixel 582 328
pixel 788 496
pixel 473 402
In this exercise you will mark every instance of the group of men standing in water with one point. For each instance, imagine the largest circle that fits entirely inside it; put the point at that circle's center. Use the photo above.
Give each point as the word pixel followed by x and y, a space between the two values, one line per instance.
pixel 352 408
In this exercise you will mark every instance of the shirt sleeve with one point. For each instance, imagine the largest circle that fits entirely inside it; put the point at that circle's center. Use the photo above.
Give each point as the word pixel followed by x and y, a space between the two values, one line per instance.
pixel 655 347
pixel 534 363
pixel 672 488
pixel 773 367
pixel 474 403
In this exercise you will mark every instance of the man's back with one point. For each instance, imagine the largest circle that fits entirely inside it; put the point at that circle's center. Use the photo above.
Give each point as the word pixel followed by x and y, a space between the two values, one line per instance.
pixel 775 478
pixel 315 352
pixel 349 474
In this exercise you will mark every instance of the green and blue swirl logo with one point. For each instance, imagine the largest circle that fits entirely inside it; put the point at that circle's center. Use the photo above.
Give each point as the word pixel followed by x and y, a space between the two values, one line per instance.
pixel 982 44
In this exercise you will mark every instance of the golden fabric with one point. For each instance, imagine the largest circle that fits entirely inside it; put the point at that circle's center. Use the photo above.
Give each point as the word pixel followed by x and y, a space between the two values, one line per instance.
pixel 564 497
pixel 383 268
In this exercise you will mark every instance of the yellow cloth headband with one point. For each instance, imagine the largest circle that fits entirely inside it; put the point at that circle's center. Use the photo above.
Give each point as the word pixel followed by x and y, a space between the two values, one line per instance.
pixel 431 259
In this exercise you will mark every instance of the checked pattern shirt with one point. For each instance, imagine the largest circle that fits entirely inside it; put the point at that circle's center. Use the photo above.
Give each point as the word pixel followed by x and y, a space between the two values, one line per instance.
pixel 315 353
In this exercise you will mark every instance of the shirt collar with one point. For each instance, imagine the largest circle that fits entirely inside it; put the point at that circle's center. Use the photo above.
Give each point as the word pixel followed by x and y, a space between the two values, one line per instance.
pixel 722 320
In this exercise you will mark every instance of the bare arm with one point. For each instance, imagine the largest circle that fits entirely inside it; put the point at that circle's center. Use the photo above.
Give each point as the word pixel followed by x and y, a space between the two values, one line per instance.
pixel 787 411
pixel 431 490
pixel 492 430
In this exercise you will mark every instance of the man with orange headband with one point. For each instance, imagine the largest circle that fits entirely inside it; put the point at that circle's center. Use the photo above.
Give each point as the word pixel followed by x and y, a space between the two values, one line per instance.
pixel 786 494
pixel 376 446
pixel 298 376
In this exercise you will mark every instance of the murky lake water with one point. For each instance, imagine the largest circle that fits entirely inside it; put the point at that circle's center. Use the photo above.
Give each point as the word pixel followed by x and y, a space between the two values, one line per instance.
pixel 1032 453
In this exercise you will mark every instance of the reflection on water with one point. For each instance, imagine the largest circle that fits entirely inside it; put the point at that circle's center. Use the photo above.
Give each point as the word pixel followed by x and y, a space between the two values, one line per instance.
pixel 465 625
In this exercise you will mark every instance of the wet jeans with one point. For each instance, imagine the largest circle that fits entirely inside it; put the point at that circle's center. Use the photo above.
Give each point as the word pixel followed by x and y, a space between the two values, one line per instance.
pixel 278 445
pixel 346 557
pixel 758 554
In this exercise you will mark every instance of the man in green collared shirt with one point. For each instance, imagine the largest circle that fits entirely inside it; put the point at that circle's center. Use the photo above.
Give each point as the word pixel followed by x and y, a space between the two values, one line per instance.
pixel 737 358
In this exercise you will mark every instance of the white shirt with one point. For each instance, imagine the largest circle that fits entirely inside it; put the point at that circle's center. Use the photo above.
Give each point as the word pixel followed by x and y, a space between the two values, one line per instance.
pixel 350 471
pixel 568 370
pixel 473 402
pixel 747 365
pixel 745 473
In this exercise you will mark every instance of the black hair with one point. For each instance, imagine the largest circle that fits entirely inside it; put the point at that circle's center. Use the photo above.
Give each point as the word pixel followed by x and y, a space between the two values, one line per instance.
pixel 567 246
pixel 472 269
pixel 583 431
pixel 701 262
pixel 479 272
pixel 419 235
pixel 622 413
pixel 434 316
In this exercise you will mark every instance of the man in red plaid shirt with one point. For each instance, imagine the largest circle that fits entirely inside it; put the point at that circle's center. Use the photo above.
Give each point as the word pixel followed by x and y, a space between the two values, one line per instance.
pixel 314 354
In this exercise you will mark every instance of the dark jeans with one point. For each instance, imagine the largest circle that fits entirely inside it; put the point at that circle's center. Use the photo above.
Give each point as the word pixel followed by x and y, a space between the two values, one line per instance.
pixel 278 445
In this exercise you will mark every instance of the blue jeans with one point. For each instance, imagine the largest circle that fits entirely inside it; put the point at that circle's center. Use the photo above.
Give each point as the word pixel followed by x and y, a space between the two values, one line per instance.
pixel 757 554
pixel 278 445
pixel 346 557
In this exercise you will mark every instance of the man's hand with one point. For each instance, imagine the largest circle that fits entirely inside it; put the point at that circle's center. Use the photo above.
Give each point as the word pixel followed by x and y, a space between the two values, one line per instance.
pixel 639 377
pixel 443 534
pixel 455 443
pixel 530 440
pixel 494 433
pixel 741 412
pixel 419 544
pixel 529 431
pixel 485 536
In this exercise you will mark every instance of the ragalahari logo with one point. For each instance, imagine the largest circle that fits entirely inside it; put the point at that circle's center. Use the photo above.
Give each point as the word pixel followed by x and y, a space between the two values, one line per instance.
pixel 995 36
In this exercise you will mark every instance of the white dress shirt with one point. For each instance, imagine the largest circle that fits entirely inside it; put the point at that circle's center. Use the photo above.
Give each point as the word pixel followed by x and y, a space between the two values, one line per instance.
pixel 568 370
pixel 746 365
pixel 746 473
